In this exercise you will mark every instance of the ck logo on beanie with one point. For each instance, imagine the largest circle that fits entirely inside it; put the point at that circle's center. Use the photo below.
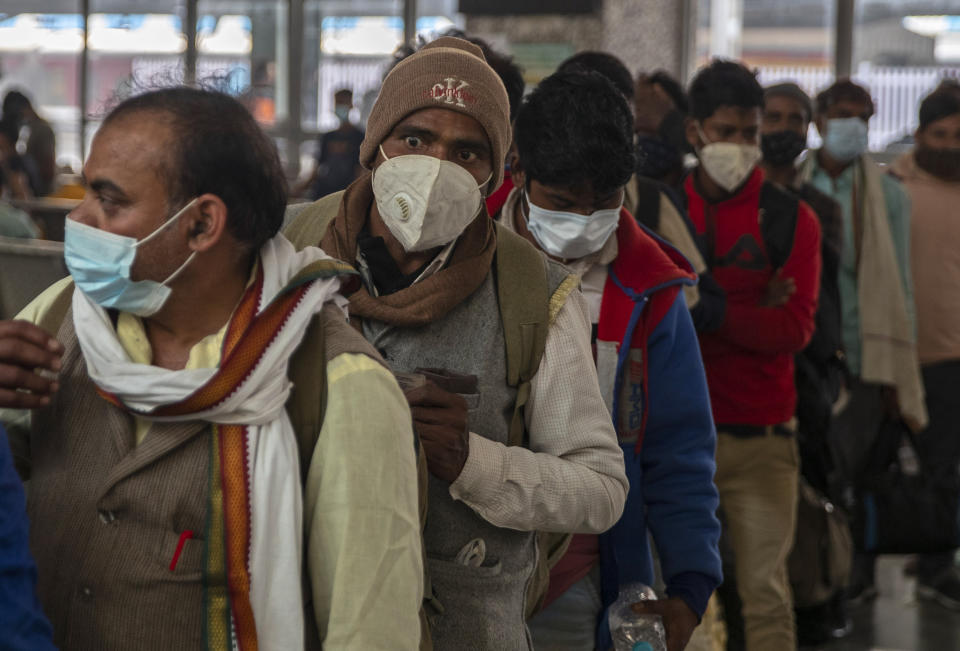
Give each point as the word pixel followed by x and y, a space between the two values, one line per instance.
pixel 452 93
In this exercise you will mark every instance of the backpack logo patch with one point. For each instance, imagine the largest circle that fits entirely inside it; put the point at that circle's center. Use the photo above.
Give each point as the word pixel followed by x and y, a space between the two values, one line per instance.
pixel 452 91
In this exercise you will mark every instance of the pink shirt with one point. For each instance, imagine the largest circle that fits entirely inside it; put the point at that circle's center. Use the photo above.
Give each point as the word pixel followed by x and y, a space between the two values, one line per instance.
pixel 935 259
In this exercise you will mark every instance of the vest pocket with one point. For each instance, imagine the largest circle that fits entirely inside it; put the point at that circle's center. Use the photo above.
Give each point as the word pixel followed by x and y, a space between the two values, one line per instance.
pixel 180 554
pixel 483 605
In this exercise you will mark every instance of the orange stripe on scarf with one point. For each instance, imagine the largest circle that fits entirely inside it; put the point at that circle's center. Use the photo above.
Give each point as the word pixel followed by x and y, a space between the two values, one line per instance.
pixel 236 515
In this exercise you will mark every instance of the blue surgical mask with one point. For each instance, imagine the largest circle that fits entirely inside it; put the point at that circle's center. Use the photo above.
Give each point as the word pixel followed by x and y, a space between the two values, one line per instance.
pixel 569 235
pixel 342 112
pixel 100 263
pixel 846 138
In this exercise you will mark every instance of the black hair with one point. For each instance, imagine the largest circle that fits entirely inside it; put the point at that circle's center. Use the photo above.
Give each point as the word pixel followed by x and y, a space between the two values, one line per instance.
pixel 949 85
pixel 939 104
pixel 794 92
pixel 607 65
pixel 343 93
pixel 217 147
pixel 672 88
pixel 10 130
pixel 576 128
pixel 723 83
pixel 840 91
pixel 15 104
pixel 506 68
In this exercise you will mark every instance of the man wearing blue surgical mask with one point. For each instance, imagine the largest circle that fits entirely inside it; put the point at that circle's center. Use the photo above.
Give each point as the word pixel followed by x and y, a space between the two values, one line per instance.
pixel 569 203
pixel 876 290
pixel 168 449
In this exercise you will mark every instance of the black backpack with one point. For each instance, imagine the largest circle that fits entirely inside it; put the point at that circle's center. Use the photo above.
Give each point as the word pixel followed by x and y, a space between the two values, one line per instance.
pixel 777 232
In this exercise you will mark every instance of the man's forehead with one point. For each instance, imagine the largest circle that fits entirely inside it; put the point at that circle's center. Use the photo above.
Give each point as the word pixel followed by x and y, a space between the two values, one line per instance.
pixel 736 114
pixel 784 103
pixel 579 192
pixel 946 122
pixel 850 106
pixel 126 150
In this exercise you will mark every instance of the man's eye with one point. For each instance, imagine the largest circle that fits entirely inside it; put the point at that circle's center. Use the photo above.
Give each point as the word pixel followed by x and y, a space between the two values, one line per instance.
pixel 413 141
pixel 467 156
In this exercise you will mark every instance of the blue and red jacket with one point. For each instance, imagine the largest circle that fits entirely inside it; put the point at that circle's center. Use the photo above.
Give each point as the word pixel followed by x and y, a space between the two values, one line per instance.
pixel 670 459
pixel 665 427
pixel 23 626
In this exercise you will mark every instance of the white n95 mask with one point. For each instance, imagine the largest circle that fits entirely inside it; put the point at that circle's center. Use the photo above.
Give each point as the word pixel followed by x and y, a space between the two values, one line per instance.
pixel 728 164
pixel 424 201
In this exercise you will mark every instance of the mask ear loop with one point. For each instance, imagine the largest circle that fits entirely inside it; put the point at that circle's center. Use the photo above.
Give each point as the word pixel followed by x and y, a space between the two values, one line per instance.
pixel 190 257
pixel 176 273
pixel 703 136
pixel 164 225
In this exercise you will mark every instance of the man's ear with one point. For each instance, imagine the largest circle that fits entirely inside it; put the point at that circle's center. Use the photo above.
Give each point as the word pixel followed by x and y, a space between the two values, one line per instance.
pixel 821 123
pixel 690 130
pixel 206 222
pixel 517 175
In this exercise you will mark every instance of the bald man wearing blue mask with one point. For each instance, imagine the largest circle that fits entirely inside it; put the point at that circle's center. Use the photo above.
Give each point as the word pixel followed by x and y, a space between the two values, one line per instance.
pixel 199 445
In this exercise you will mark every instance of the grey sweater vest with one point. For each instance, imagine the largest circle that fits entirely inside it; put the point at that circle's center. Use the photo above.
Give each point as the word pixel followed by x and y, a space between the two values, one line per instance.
pixel 483 606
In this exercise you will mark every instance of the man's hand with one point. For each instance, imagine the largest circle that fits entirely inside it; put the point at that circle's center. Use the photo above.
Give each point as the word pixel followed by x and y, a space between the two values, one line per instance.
pixel 678 620
pixel 25 349
pixel 440 418
pixel 652 105
pixel 779 290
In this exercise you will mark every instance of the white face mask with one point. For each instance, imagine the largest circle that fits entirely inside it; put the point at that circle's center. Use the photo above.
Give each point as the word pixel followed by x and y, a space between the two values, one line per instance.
pixel 727 163
pixel 424 201
pixel 569 235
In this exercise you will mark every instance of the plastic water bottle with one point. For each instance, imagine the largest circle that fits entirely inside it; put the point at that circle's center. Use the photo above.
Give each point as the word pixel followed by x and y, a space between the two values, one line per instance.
pixel 632 631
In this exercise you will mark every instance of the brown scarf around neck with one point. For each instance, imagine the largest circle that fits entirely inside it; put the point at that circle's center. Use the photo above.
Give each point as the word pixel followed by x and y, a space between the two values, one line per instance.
pixel 429 299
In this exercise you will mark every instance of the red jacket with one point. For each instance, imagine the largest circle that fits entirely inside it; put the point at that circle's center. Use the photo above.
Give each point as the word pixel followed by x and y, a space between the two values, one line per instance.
pixel 499 196
pixel 749 360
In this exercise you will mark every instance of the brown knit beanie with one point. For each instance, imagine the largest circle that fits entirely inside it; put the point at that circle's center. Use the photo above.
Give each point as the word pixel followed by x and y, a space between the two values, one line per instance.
pixel 448 73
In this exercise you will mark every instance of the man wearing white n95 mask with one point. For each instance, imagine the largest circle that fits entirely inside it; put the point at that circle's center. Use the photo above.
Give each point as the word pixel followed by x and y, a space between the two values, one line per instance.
pixel 763 248
pixel 510 453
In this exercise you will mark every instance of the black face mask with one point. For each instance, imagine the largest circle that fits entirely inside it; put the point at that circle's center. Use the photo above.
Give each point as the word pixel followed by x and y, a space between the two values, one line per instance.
pixel 942 163
pixel 782 147
pixel 656 158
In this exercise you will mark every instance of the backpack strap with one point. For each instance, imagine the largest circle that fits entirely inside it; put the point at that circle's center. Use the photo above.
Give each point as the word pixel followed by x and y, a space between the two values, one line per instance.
pixel 51 319
pixel 647 210
pixel 527 308
pixel 305 224
pixel 524 296
pixel 778 223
